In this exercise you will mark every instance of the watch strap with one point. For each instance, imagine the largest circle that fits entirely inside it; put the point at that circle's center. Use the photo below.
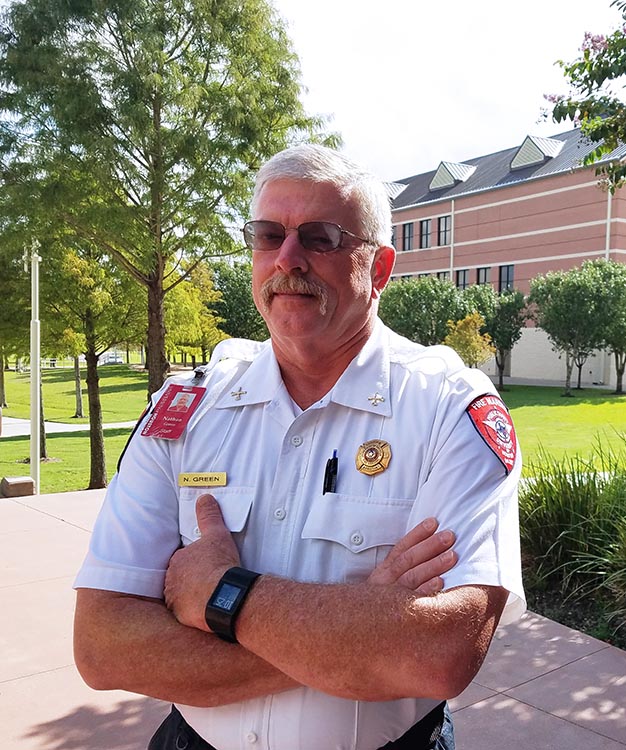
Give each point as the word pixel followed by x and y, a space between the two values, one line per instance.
pixel 226 601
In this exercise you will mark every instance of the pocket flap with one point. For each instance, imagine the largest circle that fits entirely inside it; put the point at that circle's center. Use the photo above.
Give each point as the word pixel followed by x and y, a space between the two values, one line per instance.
pixel 357 523
pixel 234 502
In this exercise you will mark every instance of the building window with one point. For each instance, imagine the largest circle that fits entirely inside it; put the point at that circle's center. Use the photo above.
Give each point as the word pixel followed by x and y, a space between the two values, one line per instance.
pixel 505 281
pixel 444 230
pixel 407 236
pixel 393 236
pixel 423 275
pixel 462 279
pixel 443 275
pixel 425 233
pixel 483 275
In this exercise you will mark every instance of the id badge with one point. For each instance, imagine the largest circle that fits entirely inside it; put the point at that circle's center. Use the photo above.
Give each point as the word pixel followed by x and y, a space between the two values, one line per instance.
pixel 173 411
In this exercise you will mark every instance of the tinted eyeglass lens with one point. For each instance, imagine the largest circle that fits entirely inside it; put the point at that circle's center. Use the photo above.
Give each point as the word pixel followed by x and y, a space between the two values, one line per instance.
pixel 319 236
pixel 264 235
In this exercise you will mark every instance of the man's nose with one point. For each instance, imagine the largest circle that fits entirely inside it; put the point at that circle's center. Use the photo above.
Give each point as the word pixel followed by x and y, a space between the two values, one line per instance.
pixel 291 256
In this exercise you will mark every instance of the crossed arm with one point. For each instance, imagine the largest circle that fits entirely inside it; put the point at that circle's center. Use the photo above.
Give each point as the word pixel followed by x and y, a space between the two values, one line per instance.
pixel 382 639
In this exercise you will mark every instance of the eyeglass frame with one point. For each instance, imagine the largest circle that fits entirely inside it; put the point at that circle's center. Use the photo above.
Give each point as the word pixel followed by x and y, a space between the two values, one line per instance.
pixel 297 229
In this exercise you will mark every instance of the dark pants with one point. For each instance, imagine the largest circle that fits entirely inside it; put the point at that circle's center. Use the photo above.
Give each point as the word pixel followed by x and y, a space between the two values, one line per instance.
pixel 433 732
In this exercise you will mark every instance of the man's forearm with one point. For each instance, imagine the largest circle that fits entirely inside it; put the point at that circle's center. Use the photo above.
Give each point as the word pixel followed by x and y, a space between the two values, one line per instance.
pixel 127 643
pixel 371 642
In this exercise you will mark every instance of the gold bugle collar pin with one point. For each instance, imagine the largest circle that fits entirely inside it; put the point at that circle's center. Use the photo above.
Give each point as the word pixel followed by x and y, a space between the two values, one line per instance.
pixel 373 457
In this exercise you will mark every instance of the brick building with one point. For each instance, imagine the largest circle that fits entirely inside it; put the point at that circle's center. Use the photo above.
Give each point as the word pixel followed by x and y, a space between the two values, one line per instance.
pixel 507 217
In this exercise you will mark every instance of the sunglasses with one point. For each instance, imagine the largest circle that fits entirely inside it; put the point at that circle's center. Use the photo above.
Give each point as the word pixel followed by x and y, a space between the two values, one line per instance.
pixel 317 236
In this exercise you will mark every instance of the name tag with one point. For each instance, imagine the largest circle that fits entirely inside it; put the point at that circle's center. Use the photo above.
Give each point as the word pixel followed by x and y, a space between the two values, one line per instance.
pixel 173 412
pixel 212 479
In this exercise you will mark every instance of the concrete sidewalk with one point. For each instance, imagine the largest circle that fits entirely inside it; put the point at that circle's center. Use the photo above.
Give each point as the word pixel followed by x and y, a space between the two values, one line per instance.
pixel 543 686
pixel 12 426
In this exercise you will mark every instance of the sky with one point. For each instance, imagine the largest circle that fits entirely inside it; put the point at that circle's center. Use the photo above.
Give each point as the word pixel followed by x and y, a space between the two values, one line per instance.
pixel 411 83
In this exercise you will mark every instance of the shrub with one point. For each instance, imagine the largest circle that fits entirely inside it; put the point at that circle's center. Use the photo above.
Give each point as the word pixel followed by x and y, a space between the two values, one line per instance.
pixel 573 526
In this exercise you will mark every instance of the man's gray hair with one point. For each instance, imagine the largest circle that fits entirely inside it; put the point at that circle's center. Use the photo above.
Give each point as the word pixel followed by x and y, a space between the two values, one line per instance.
pixel 319 164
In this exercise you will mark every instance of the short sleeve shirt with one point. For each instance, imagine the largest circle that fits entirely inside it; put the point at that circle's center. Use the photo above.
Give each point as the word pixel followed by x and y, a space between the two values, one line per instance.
pixel 413 398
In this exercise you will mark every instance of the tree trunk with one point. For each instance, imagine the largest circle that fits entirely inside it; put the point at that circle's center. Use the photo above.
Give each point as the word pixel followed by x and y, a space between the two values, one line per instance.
pixel 3 398
pixel 158 366
pixel 43 447
pixel 569 365
pixel 580 372
pixel 620 365
pixel 501 364
pixel 204 355
pixel 78 390
pixel 98 472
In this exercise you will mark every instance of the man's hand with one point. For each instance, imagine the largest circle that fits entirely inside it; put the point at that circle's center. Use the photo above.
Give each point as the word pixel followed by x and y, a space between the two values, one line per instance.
pixel 194 571
pixel 418 560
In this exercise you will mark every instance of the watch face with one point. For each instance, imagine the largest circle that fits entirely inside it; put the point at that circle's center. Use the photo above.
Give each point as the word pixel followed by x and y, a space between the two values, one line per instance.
pixel 226 596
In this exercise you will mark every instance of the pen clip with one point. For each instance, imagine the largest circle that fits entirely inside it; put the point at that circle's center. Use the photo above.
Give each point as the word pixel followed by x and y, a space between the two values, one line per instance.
pixel 330 474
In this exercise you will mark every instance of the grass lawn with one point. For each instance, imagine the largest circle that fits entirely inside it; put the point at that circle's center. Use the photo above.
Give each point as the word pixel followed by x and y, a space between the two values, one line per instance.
pixel 544 420
pixel 123 392
pixel 123 395
pixel 547 421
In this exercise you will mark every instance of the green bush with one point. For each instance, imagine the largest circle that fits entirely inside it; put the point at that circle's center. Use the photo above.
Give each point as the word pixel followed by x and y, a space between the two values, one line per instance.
pixel 573 527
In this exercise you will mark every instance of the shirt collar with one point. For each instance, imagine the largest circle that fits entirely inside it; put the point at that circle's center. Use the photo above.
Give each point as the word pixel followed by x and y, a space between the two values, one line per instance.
pixel 363 385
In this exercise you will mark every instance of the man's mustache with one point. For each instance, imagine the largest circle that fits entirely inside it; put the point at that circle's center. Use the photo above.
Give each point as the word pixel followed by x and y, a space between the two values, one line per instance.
pixel 283 284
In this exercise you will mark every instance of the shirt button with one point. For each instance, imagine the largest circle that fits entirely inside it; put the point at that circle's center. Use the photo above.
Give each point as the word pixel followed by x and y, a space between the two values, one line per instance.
pixel 296 440
pixel 252 737
pixel 196 531
pixel 280 514
pixel 356 538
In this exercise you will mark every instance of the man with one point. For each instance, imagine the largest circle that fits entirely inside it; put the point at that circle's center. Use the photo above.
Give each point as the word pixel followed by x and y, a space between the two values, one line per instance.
pixel 318 460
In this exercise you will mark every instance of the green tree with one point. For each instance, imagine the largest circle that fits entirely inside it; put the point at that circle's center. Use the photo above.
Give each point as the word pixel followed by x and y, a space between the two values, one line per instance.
pixel 191 324
pixel 139 126
pixel 14 314
pixel 73 344
pixel 505 315
pixel 465 337
pixel 611 290
pixel 235 306
pixel 595 99
pixel 421 308
pixel 569 309
pixel 87 299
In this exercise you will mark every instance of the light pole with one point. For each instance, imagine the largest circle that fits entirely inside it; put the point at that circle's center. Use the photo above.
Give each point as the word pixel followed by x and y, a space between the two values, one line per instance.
pixel 35 367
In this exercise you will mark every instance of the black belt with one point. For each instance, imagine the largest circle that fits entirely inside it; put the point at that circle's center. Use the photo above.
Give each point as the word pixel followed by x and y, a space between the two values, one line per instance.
pixel 175 734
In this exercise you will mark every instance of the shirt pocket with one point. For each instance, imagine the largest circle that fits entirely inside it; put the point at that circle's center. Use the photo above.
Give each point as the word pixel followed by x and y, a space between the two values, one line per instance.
pixel 353 534
pixel 235 504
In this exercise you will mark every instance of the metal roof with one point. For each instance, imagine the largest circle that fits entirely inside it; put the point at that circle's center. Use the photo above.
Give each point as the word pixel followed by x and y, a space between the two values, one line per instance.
pixel 494 170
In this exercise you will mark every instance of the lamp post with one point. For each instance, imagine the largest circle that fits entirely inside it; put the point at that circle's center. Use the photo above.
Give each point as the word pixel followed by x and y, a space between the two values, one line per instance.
pixel 35 368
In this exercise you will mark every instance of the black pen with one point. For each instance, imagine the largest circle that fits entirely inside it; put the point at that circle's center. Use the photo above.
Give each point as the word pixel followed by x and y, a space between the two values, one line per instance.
pixel 330 475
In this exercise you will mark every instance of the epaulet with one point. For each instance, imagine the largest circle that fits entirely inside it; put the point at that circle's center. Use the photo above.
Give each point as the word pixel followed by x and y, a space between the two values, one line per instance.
pixel 438 358
pixel 244 350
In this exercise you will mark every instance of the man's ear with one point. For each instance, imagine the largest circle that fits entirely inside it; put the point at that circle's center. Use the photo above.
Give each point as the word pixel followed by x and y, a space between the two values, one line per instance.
pixel 384 260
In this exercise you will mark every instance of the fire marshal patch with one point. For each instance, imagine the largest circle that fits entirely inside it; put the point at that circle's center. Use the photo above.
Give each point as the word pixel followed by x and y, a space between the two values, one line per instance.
pixel 493 423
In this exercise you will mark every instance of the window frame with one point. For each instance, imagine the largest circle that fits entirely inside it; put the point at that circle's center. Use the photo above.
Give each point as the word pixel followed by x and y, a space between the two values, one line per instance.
pixel 506 275
pixel 407 236
pixel 444 230
pixel 425 234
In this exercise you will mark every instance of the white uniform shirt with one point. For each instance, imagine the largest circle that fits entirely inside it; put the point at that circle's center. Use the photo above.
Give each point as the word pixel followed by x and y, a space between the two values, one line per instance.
pixel 275 457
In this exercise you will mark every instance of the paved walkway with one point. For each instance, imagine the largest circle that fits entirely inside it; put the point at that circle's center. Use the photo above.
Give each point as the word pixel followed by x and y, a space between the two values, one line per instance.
pixel 543 686
pixel 12 427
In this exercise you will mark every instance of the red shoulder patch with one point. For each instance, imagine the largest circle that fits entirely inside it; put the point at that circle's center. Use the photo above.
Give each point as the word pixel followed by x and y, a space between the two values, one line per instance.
pixel 493 423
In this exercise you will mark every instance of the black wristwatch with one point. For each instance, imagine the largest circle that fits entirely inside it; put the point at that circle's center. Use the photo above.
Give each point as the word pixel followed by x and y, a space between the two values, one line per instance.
pixel 226 601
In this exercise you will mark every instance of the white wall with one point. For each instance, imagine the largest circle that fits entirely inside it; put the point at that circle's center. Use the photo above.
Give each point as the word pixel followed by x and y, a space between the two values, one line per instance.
pixel 533 358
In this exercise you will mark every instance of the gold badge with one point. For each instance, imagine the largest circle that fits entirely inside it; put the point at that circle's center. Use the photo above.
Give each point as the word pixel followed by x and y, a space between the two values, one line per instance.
pixel 373 457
